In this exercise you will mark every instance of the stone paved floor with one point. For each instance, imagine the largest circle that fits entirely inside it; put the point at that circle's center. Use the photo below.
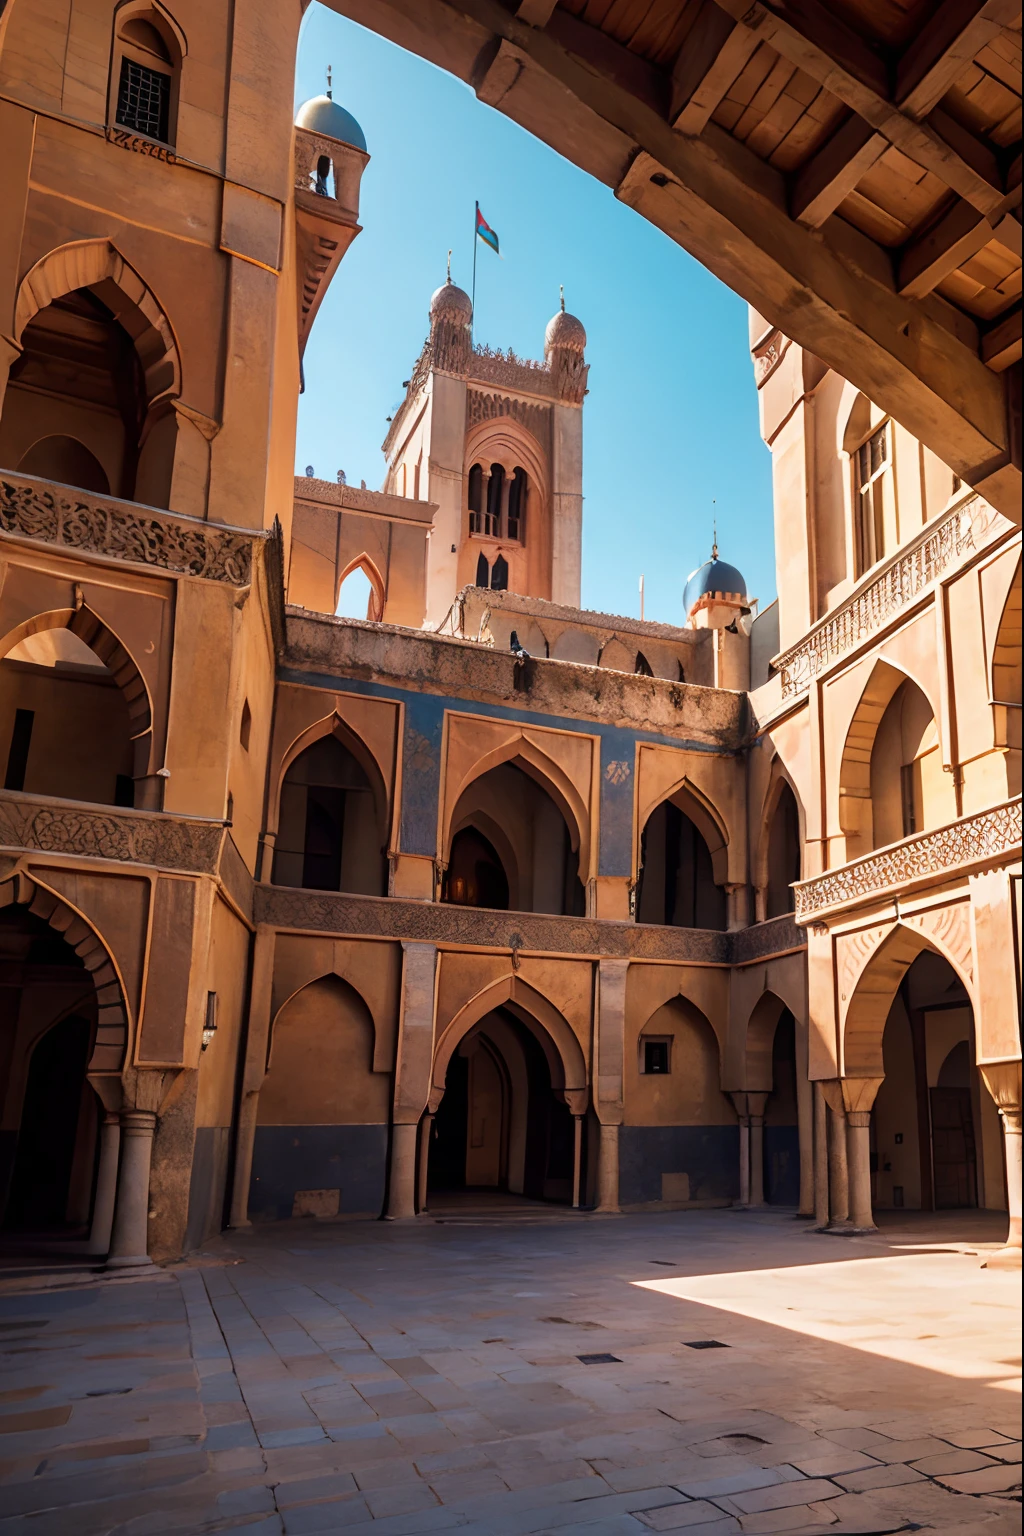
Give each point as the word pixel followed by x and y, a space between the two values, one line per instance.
pixel 522 1373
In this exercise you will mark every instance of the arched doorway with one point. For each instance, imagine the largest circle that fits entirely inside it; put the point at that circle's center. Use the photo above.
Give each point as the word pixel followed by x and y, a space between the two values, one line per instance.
pixel 936 1140
pixel 783 855
pixel 676 884
pixel 500 1126
pixel 514 845
pixel 49 1114
pixel 331 830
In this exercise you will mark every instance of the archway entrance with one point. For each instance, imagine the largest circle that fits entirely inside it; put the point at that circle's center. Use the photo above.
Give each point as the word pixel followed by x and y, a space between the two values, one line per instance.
pixel 500 1127
pixel 936 1141
pixel 49 1114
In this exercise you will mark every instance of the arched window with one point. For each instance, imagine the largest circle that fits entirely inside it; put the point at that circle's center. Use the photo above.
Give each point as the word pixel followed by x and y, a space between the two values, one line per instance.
pixel 329 833
pixel 483 572
pixel 870 450
pixel 322 180
pixel 909 791
pixel 495 496
pixel 65 725
pixel 475 492
pixel 516 520
pixel 642 666
pixel 783 855
pixel 499 575
pixel 677 883
pixel 144 78
pixel 63 458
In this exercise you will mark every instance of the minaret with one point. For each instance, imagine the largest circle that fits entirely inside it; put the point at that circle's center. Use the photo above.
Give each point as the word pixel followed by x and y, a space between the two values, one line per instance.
pixel 497 443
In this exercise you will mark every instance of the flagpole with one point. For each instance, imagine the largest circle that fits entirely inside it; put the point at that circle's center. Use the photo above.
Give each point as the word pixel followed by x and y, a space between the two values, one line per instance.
pixel 476 211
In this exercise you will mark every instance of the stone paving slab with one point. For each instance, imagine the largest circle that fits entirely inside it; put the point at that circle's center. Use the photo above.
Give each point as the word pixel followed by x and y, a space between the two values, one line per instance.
pixel 412 1378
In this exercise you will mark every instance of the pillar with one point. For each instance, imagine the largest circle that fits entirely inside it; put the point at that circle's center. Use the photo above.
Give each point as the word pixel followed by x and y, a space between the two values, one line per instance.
pixel 608 1169
pixel 805 1125
pixel 737 906
pixel 1003 1081
pixel 423 1161
pixel 858 1149
pixel 744 1159
pixel 129 1241
pixel 402 1183
pixel 838 1177
pixel 244 1146
pixel 577 1161
pixel 757 1160
pixel 106 1184
pixel 820 1158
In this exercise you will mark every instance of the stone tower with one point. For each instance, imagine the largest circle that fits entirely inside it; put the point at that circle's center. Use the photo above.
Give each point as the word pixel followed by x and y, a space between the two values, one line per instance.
pixel 497 443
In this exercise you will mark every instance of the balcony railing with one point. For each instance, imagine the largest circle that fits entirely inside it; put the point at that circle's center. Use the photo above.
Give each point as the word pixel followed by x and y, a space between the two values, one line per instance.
pixel 898 583
pixel 48 825
pixel 988 837
pixel 395 917
pixel 77 520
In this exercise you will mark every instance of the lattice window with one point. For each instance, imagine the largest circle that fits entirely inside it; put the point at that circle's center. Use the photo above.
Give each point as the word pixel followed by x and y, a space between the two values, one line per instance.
pixel 143 99
pixel 871 460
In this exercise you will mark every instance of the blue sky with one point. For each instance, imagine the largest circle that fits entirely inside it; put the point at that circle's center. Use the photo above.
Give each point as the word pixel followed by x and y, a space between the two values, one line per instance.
pixel 670 423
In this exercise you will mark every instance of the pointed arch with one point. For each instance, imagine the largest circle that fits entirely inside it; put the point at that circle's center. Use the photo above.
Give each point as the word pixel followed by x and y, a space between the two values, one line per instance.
pixel 779 785
pixel 311 981
pixel 363 563
pixel 110 1049
pixel 760 1038
pixel 332 725
pixel 855 806
pixel 99 266
pixel 702 812
pixel 1006 671
pixel 101 639
pixel 547 1023
pixel 544 771
pixel 876 987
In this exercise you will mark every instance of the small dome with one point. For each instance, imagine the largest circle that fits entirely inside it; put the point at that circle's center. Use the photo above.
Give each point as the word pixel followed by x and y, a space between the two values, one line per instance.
pixel 322 115
pixel 451 303
pixel 564 330
pixel 713 576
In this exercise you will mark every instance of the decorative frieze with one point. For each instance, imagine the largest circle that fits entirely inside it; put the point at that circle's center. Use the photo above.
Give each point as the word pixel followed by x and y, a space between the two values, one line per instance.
pixel 896 585
pixel 99 525
pixel 990 836
pixel 486 407
pixel 101 832
pixel 508 371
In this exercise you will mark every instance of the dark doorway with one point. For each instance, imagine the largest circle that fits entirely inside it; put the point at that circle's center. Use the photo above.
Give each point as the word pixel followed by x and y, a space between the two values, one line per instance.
pixel 500 1125
pixel 954 1155
pixel 330 835
pixel 41 1178
pixel 677 884
pixel 781 1133
pixel 475 876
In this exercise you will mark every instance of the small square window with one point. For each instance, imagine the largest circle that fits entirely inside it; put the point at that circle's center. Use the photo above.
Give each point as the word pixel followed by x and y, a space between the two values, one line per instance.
pixel 655 1058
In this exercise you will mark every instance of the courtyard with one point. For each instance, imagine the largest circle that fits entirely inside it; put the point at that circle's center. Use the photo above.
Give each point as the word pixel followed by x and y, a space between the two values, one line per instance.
pixel 503 1367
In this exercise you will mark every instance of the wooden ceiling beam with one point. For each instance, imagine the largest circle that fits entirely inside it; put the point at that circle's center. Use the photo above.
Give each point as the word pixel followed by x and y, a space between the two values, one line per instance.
pixel 808 35
pixel 822 183
pixel 709 62
pixel 1001 346
pixel 536 13
pixel 831 290
pixel 958 236
pixel 942 50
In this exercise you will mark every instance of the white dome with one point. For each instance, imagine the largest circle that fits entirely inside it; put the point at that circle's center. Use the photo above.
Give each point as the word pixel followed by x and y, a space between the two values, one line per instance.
pixel 323 115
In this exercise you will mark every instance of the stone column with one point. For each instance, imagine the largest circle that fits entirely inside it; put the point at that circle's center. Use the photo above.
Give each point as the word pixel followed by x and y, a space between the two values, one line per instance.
pixel 838 1176
pixel 743 1117
pixel 413 1063
pixel 608 1169
pixel 577 1161
pixel 1003 1081
pixel 106 1184
pixel 757 1160
pixel 858 1150
pixel 254 1070
pixel 737 906
pixel 610 1027
pixel 129 1241
pixel 805 1124
pixel 820 1158
pixel 423 1163
pixel 858 1097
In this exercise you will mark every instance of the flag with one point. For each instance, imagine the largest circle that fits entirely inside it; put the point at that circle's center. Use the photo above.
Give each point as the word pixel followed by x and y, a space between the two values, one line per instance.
pixel 486 233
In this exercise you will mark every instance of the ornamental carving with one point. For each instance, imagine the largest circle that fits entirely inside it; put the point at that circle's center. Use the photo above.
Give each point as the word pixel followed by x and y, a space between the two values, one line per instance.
pixel 138 144
pixel 438 923
pixel 167 842
pixel 99 525
pixel 899 583
pixel 511 372
pixel 989 836
pixel 535 418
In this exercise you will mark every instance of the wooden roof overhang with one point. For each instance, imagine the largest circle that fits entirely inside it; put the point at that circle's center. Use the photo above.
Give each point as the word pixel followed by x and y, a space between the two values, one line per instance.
pixel 851 168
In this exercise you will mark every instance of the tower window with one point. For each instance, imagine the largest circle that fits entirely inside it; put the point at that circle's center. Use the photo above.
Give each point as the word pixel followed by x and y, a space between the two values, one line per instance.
pixel 517 506
pixel 143 99
pixel 499 575
pixel 483 572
